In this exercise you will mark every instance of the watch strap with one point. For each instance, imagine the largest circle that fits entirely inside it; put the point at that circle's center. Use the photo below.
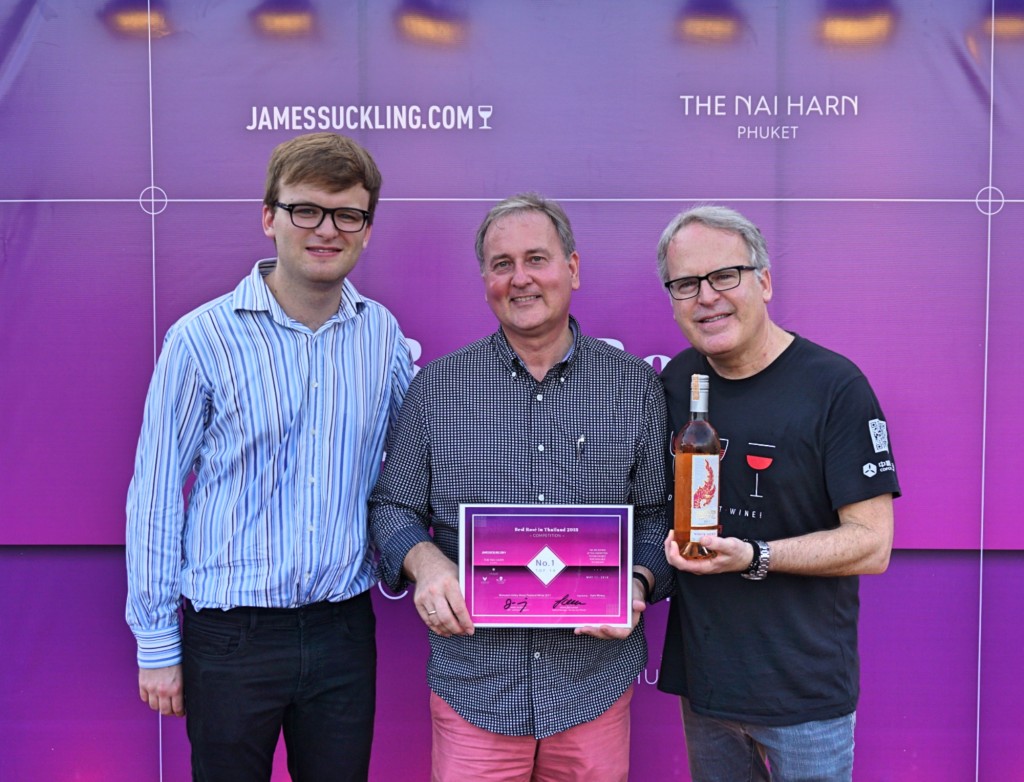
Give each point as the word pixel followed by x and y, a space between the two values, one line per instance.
pixel 648 587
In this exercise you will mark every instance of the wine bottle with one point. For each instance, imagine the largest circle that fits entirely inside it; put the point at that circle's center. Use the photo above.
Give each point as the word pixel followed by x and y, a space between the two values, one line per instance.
pixel 697 451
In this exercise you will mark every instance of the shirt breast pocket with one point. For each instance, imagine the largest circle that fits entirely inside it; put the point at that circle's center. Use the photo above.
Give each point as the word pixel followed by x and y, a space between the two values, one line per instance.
pixel 596 459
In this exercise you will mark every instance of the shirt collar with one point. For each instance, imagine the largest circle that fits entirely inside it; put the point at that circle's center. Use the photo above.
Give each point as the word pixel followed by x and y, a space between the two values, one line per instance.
pixel 512 360
pixel 252 294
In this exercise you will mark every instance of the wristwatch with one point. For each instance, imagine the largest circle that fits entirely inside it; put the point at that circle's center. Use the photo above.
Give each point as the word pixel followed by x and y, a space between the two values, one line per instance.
pixel 758 567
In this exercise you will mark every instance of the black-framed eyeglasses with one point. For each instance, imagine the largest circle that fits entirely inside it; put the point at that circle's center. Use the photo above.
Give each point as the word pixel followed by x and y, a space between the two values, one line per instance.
pixel 345 218
pixel 683 288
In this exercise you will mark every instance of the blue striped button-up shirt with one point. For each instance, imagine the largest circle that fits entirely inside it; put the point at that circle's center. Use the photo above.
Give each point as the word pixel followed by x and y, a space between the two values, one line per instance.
pixel 284 431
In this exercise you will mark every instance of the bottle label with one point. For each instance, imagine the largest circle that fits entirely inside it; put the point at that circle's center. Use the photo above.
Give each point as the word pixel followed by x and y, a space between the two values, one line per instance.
pixel 704 496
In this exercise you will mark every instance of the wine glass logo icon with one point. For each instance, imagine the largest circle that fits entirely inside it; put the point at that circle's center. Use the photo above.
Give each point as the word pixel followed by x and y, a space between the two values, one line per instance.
pixel 758 463
pixel 485 114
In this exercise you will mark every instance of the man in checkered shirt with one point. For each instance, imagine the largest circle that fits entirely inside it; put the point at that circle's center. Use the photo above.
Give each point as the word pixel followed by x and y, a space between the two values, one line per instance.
pixel 536 413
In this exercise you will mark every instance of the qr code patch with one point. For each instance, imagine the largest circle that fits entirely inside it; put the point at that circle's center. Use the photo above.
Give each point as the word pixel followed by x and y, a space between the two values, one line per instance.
pixel 879 434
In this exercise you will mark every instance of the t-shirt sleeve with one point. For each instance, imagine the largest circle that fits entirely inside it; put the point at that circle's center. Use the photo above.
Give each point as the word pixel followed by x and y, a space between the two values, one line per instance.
pixel 859 463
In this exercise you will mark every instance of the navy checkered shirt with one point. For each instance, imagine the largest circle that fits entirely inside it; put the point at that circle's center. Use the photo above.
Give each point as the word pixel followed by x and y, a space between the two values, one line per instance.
pixel 469 432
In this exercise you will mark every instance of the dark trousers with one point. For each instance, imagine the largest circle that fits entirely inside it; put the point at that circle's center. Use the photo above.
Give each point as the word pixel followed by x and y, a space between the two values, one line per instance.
pixel 250 673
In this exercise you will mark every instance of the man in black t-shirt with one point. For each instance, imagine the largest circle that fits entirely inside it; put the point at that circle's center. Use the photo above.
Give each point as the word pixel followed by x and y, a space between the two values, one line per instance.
pixel 761 642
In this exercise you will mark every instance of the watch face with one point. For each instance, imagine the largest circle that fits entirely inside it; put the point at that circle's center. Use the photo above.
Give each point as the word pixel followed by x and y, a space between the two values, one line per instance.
pixel 758 567
pixel 756 561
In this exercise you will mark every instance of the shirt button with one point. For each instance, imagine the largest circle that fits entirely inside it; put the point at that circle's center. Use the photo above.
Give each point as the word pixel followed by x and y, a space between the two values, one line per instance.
pixel 540 498
pixel 540 397
pixel 316 384
pixel 561 380
pixel 513 374
pixel 540 447
pixel 312 479
pixel 536 655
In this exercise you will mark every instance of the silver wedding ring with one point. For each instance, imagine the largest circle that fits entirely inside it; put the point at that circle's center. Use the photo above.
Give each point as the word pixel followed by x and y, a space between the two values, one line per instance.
pixel 431 613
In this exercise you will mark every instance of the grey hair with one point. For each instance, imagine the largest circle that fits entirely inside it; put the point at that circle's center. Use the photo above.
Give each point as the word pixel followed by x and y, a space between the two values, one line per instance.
pixel 720 218
pixel 528 202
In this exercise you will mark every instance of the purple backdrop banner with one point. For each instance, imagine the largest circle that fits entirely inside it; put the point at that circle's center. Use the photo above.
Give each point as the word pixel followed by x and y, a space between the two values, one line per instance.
pixel 877 143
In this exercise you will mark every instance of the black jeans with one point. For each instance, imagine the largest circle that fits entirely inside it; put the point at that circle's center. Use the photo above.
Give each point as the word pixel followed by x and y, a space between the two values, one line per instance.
pixel 251 672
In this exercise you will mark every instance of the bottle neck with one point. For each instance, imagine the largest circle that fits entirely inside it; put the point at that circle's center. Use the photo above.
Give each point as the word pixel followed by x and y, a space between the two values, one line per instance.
pixel 699 388
pixel 699 406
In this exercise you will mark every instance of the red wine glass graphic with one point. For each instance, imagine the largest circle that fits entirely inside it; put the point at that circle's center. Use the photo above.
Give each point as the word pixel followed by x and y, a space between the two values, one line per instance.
pixel 757 463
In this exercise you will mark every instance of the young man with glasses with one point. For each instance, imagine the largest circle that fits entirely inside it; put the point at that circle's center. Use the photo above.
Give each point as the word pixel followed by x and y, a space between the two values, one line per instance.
pixel 762 638
pixel 278 397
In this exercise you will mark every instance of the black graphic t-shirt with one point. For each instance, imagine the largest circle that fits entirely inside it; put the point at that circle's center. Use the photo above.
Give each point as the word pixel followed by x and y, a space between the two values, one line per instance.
pixel 801 438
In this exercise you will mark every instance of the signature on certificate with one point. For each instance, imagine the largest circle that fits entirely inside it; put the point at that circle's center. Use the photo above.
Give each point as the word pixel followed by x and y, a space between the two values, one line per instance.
pixel 565 600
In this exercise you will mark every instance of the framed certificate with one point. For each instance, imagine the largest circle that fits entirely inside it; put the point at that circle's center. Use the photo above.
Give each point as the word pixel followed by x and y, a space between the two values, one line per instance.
pixel 547 565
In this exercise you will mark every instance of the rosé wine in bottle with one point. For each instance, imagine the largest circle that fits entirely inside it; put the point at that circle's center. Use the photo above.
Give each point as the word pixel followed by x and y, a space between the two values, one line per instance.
pixel 697 452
